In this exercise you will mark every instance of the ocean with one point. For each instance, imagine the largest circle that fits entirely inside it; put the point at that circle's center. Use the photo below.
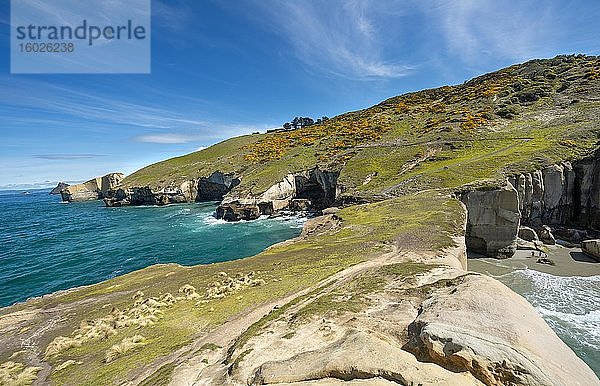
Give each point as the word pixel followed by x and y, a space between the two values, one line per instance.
pixel 47 245
pixel 569 304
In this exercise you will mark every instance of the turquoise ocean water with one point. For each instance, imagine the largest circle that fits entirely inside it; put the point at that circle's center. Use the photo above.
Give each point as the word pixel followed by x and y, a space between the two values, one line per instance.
pixel 569 304
pixel 46 246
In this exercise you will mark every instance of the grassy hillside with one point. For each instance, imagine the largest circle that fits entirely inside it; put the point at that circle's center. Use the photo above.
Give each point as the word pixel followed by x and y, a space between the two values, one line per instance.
pixel 515 119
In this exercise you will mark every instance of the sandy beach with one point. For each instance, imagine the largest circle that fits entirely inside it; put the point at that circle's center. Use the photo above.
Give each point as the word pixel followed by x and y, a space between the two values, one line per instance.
pixel 568 262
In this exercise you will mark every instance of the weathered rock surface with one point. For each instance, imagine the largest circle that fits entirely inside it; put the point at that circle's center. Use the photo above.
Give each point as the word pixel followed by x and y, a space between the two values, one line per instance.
pixel 591 248
pixel 94 189
pixel 235 211
pixel 453 329
pixel 493 221
pixel 59 188
pixel 216 186
pixel 565 194
pixel 211 188
pixel 528 234
pixel 546 235
pixel 359 355
pixel 310 190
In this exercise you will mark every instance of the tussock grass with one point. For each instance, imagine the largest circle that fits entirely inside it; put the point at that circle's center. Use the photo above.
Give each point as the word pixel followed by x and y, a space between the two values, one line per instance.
pixel 122 348
pixel 17 374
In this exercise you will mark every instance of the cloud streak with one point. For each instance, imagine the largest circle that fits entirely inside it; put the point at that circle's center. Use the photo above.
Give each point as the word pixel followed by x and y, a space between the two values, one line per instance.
pixel 167 138
pixel 347 43
pixel 68 156
pixel 476 30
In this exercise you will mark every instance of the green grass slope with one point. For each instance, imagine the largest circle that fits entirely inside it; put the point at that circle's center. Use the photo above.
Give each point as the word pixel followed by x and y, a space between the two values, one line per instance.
pixel 520 118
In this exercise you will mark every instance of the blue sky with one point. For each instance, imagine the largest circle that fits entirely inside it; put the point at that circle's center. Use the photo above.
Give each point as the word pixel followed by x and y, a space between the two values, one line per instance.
pixel 225 68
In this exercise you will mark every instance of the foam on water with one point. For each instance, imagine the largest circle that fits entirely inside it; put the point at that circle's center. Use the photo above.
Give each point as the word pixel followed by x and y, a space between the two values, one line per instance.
pixel 569 304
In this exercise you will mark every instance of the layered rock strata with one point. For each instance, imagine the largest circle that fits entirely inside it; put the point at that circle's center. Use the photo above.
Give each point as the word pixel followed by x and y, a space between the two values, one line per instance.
pixel 309 190
pixel 94 189
pixel 562 196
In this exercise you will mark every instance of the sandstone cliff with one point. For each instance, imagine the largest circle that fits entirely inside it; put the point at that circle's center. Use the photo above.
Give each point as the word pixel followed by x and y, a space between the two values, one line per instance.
pixel 563 196
pixel 93 189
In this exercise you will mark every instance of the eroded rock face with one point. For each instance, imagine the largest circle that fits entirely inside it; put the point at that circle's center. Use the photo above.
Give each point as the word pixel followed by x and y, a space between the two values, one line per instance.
pixel 357 355
pixel 234 211
pixel 493 221
pixel 211 188
pixel 214 187
pixel 306 191
pixel 144 196
pixel 564 194
pixel 453 329
pixel 94 189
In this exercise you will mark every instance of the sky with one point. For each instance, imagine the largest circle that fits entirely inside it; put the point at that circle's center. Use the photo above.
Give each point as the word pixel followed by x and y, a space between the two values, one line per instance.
pixel 226 68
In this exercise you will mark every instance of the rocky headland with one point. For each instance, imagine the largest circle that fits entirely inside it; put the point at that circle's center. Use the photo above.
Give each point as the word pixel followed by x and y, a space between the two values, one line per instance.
pixel 94 189
pixel 377 289
pixel 58 188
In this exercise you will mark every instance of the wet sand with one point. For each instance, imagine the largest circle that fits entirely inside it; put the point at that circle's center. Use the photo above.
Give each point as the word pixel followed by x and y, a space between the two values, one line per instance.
pixel 568 262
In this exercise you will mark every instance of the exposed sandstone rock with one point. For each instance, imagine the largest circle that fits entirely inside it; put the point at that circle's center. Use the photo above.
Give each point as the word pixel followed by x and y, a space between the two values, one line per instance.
pixel 234 211
pixel 214 187
pixel 546 235
pixel 319 225
pixel 528 234
pixel 210 188
pixel 591 248
pixel 453 329
pixel 563 194
pixel 305 191
pixel 93 189
pixel 492 221
pixel 358 355
pixel 332 210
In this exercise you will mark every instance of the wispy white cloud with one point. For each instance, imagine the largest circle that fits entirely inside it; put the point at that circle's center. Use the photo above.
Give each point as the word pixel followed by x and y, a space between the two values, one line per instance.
pixel 348 42
pixel 476 30
pixel 167 138
pixel 65 105
pixel 67 156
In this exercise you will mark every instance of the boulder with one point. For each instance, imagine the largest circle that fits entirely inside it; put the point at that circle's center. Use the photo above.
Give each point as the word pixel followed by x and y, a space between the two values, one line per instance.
pixel 591 248
pixel 236 212
pixel 492 221
pixel 528 234
pixel 546 236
